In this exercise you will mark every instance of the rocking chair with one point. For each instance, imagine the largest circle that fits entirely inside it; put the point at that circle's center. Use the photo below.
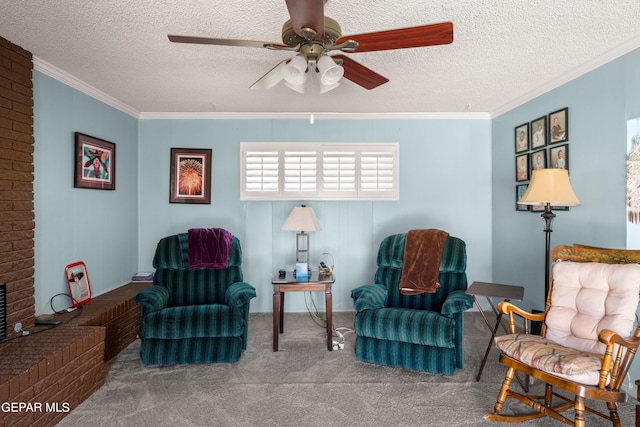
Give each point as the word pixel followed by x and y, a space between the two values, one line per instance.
pixel 585 347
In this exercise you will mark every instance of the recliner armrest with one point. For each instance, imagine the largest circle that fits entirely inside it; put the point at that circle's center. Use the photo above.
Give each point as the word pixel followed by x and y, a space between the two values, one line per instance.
pixel 456 302
pixel 369 297
pixel 152 299
pixel 239 294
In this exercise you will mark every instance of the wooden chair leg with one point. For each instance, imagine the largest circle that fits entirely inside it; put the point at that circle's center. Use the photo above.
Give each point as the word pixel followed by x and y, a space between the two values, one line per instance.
pixel 615 417
pixel 502 396
pixel 548 395
pixel 579 408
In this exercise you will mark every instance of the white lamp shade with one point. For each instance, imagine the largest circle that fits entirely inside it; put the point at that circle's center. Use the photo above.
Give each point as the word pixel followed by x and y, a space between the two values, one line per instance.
pixel 295 72
pixel 298 88
pixel 330 72
pixel 302 218
pixel 327 88
pixel 550 186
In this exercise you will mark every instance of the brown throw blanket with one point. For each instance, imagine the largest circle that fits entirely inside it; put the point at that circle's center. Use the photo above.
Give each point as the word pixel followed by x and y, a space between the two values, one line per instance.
pixel 421 262
pixel 209 247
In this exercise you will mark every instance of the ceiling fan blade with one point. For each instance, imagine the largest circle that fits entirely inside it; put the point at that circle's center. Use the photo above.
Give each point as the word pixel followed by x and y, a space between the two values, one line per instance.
pixel 307 14
pixel 359 74
pixel 402 38
pixel 272 78
pixel 226 42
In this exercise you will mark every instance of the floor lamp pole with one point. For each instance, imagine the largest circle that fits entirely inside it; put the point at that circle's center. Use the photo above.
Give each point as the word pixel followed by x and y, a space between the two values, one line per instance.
pixel 548 217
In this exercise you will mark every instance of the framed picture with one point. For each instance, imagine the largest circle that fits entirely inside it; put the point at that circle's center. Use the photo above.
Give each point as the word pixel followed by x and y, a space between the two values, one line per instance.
pixel 78 283
pixel 559 126
pixel 522 167
pixel 522 138
pixel 95 163
pixel 559 156
pixel 190 176
pixel 539 159
pixel 539 132
pixel 520 189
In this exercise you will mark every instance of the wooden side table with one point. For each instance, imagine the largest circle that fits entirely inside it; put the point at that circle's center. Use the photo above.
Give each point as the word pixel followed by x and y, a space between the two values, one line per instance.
pixel 489 291
pixel 289 283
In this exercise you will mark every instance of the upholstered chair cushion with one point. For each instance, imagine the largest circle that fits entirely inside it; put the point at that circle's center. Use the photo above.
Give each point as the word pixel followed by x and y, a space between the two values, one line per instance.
pixel 194 321
pixel 411 326
pixel 589 297
pixel 585 299
pixel 552 357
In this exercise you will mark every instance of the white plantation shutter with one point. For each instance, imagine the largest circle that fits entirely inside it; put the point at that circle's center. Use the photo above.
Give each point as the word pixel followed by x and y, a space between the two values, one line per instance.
pixel 300 171
pixel 339 171
pixel 376 171
pixel 319 171
pixel 261 171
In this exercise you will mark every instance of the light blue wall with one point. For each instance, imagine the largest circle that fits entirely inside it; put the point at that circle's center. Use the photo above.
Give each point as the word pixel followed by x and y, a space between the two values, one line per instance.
pixel 600 103
pixel 72 224
pixel 445 182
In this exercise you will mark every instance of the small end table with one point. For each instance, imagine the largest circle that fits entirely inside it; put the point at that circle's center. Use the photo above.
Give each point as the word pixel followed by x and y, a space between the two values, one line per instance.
pixel 489 291
pixel 289 283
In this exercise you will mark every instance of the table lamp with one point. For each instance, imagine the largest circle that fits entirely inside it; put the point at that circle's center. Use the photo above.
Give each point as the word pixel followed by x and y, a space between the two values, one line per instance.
pixel 549 187
pixel 302 219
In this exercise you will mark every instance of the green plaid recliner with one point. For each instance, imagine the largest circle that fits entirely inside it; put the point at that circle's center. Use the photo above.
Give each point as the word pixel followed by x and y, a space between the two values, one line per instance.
pixel 194 315
pixel 422 332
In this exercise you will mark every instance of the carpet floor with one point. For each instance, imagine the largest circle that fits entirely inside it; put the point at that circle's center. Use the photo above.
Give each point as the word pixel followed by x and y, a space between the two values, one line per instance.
pixel 303 384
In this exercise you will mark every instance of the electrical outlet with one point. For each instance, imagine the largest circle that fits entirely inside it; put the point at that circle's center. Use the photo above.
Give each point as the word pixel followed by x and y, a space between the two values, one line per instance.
pixel 18 328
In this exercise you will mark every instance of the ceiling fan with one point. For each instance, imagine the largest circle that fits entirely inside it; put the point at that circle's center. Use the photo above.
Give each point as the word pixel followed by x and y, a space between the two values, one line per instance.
pixel 313 36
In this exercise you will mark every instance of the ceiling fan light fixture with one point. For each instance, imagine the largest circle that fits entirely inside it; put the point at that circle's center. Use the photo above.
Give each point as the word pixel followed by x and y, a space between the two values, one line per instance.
pixel 298 88
pixel 327 88
pixel 295 72
pixel 330 72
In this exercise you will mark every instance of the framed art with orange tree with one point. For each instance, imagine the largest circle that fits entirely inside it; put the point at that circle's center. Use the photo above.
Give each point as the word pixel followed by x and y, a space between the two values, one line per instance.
pixel 190 176
pixel 95 163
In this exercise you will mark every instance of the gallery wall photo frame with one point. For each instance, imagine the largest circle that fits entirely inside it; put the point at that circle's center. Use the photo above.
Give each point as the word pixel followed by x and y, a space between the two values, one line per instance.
pixel 559 157
pixel 190 176
pixel 522 167
pixel 520 190
pixel 559 126
pixel 539 133
pixel 94 163
pixel 539 159
pixel 521 138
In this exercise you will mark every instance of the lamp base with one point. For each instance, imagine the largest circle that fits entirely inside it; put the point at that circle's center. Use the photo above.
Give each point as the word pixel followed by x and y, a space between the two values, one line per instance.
pixel 302 247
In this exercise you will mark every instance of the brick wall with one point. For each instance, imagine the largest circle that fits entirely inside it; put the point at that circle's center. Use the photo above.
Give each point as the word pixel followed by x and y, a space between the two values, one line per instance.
pixel 16 183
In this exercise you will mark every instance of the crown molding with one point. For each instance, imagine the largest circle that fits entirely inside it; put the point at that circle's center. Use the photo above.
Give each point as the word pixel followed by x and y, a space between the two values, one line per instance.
pixel 317 116
pixel 66 78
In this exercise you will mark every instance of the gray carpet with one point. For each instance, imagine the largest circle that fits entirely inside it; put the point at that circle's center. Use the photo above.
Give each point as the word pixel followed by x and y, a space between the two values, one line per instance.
pixel 303 385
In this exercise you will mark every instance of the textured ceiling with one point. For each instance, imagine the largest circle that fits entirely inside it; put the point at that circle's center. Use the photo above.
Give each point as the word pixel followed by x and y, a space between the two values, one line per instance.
pixel 504 51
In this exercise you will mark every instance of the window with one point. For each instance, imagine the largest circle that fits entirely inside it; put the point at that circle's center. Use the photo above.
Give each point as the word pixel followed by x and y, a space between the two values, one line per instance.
pixel 319 171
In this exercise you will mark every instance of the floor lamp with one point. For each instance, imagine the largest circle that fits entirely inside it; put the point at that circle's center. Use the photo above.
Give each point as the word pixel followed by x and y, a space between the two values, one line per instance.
pixel 549 187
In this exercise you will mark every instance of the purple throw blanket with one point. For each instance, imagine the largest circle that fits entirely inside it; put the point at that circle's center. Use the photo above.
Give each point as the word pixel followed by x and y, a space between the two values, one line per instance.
pixel 209 247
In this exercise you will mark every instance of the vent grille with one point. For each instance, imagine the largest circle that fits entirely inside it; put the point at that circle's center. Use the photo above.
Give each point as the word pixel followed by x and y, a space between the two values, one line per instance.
pixel 3 312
